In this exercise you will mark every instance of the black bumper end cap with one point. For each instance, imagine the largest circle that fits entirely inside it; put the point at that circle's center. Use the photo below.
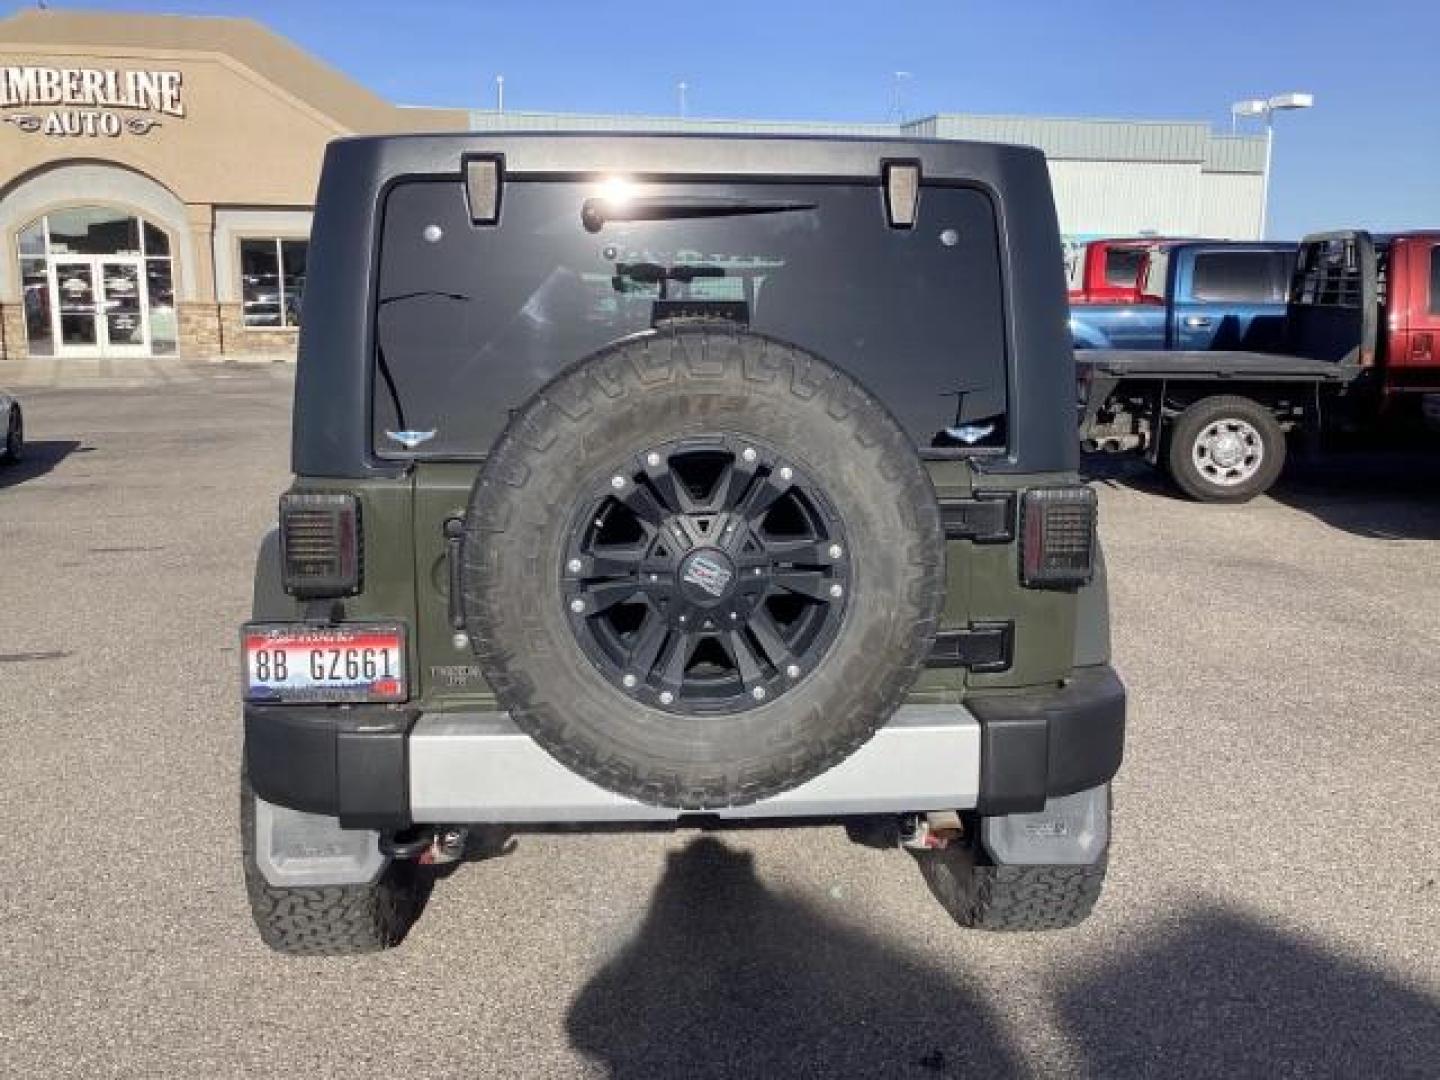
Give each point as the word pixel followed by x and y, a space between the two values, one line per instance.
pixel 349 764
pixel 1037 745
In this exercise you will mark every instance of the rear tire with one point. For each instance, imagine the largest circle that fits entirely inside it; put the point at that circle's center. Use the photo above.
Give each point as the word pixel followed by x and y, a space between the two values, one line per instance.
pixel 1225 449
pixel 337 920
pixel 982 896
pixel 14 448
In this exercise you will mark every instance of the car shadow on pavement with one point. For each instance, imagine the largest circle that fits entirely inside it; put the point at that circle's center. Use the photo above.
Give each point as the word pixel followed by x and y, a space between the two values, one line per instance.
pixel 1383 495
pixel 1389 495
pixel 1129 471
pixel 39 459
pixel 726 978
pixel 1223 995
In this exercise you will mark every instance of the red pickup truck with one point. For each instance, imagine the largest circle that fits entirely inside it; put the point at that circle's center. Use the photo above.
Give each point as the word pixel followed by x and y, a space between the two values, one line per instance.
pixel 1412 303
pixel 1109 271
pixel 1361 349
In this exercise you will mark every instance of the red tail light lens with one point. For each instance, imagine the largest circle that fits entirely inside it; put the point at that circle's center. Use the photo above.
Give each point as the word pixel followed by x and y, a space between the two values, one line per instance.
pixel 320 546
pixel 1057 534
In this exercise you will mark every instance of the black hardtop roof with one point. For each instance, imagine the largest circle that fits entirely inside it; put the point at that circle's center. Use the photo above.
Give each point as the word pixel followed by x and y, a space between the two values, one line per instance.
pixel 727 153
pixel 331 429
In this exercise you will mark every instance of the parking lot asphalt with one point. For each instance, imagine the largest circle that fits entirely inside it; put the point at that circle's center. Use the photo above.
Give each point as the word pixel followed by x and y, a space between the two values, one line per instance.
pixel 1273 907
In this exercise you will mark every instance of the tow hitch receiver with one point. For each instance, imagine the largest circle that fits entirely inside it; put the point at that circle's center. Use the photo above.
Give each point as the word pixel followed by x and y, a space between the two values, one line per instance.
pixel 933 831
pixel 429 846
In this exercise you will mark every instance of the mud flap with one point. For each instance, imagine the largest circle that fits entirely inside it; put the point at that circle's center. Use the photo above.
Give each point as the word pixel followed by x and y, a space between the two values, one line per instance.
pixel 1072 830
pixel 296 850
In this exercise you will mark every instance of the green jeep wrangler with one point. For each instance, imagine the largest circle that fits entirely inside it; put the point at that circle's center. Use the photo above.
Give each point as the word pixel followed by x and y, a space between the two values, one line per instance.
pixel 679 480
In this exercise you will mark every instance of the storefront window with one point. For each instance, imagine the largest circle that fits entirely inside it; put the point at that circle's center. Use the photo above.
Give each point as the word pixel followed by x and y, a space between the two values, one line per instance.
pixel 35 285
pixel 156 242
pixel 32 239
pixel 163 328
pixel 96 281
pixel 94 230
pixel 272 274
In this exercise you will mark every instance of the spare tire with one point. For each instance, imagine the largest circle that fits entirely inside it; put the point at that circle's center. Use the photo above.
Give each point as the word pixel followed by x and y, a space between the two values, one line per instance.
pixel 702 566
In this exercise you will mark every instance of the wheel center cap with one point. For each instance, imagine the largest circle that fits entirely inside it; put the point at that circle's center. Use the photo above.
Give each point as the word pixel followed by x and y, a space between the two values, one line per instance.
pixel 707 577
pixel 1227 450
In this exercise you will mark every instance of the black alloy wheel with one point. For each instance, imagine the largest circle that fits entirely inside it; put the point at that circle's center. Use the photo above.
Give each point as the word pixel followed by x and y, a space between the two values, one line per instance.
pixel 706 575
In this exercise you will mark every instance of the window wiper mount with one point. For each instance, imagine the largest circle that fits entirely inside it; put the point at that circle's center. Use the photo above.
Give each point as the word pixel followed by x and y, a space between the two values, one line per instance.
pixel 594 213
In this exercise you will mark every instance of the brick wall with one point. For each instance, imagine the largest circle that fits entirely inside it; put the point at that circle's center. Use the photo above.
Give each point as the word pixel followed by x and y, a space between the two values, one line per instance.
pixel 198 326
pixel 12 332
pixel 204 329
pixel 240 340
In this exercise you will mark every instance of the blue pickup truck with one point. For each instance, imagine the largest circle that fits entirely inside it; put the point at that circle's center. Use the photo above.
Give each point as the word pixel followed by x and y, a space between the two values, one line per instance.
pixel 1197 297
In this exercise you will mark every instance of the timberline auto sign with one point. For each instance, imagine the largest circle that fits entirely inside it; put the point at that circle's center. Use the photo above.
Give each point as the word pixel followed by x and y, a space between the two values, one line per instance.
pixel 81 101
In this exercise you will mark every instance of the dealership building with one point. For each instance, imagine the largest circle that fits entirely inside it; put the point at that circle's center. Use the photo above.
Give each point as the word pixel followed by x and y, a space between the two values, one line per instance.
pixel 157 175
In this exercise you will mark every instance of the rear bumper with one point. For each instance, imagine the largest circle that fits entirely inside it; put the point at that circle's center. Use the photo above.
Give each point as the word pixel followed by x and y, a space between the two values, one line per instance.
pixel 387 768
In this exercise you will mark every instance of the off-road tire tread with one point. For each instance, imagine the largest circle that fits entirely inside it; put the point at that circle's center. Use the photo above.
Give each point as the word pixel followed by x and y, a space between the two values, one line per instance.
pixel 339 920
pixel 705 354
pixel 1196 415
pixel 980 896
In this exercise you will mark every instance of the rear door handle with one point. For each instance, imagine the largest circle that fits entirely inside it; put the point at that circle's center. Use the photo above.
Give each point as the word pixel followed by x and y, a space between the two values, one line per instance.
pixel 1197 322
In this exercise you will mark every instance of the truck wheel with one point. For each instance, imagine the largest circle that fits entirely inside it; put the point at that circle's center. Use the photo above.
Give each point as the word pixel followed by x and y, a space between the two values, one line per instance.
pixel 1225 449
pixel 701 567
pixel 337 920
pixel 14 446
pixel 981 896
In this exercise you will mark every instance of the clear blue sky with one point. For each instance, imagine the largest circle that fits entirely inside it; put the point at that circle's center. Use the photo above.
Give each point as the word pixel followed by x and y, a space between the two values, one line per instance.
pixel 1368 154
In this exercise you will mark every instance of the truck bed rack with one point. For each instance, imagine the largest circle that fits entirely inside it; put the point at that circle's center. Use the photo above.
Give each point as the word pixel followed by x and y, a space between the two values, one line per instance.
pixel 1160 364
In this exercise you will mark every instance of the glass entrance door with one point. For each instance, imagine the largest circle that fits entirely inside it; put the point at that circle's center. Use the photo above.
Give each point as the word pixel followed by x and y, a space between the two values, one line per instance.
pixel 125 329
pixel 100 306
pixel 76 307
pixel 98 281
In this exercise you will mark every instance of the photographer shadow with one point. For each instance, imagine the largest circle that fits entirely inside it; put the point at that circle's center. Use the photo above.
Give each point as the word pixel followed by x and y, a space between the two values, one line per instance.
pixel 726 978
pixel 1222 994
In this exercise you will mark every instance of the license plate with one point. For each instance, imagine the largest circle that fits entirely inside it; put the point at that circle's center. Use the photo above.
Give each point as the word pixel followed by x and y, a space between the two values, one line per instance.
pixel 354 662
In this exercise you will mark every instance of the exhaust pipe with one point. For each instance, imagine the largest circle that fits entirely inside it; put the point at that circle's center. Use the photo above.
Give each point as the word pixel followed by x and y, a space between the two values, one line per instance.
pixel 1114 444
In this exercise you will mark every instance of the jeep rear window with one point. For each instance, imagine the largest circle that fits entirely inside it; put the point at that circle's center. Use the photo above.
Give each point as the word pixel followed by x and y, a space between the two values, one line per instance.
pixel 471 319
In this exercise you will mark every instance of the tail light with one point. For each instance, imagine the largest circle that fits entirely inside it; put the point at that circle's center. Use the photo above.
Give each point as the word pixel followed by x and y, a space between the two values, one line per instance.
pixel 1057 536
pixel 320 547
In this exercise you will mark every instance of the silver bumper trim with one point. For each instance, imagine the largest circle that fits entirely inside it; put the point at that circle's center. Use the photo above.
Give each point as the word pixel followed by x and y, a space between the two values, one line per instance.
pixel 479 767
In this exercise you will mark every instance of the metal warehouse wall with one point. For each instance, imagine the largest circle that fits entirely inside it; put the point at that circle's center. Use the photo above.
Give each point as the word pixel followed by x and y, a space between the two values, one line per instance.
pixel 1170 199
pixel 1230 205
pixel 1111 177
pixel 1125 197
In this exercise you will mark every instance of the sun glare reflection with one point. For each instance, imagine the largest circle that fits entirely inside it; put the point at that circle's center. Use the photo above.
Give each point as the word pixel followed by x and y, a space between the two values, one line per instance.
pixel 617 190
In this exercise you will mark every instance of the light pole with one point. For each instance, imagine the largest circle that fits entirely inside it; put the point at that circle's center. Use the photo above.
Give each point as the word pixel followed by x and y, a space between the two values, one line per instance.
pixel 499 93
pixel 1268 107
pixel 898 102
pixel 682 87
